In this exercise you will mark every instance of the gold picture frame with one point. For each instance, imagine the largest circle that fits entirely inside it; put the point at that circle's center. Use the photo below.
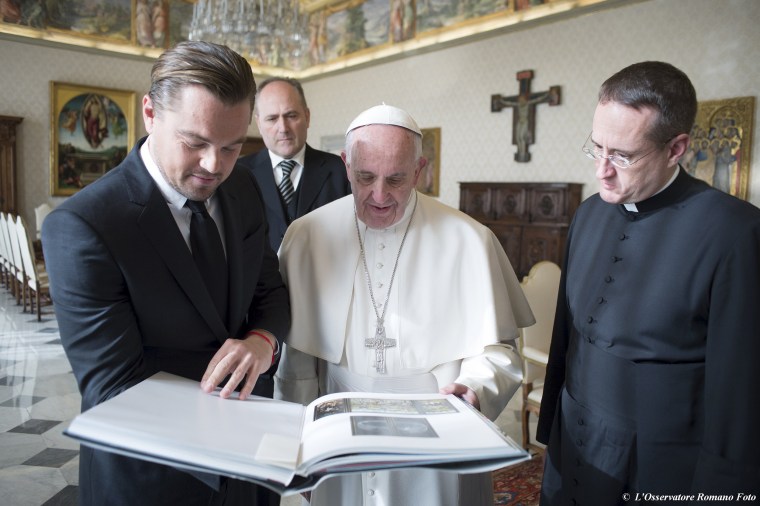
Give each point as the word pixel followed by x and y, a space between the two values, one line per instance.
pixel 721 144
pixel 429 180
pixel 91 132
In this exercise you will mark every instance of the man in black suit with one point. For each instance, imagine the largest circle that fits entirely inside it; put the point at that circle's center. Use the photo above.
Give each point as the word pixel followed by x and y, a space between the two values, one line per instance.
pixel 317 177
pixel 127 280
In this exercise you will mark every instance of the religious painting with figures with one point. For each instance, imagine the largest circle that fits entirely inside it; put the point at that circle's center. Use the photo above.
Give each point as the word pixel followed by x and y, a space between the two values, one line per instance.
pixel 721 144
pixel 92 130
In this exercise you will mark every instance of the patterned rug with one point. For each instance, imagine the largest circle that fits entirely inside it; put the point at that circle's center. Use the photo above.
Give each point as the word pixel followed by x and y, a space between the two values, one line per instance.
pixel 519 485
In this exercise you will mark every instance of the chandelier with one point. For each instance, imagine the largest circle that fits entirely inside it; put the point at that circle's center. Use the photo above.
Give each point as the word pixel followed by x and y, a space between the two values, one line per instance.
pixel 267 32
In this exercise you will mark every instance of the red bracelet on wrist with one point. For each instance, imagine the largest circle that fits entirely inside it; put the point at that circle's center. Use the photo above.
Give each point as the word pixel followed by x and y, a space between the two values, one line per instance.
pixel 265 338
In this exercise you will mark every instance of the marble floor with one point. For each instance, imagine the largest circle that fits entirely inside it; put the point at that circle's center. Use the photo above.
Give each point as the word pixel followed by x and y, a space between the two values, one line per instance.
pixel 38 398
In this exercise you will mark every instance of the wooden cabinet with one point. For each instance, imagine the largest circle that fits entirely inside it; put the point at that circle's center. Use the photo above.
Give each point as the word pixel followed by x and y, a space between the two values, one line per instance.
pixel 529 219
pixel 8 125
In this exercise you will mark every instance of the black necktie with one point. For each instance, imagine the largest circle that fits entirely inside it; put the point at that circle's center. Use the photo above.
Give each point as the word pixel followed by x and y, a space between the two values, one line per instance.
pixel 206 245
pixel 286 185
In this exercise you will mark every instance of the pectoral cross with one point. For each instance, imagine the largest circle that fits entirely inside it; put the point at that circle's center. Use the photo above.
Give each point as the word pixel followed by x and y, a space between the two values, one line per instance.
pixel 380 343
pixel 524 112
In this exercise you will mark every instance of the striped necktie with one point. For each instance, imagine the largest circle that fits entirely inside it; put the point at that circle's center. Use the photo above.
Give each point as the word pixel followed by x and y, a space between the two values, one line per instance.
pixel 286 185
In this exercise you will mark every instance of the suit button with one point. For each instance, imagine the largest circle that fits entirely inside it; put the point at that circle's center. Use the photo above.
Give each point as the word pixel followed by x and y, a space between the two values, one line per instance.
pixel 608 279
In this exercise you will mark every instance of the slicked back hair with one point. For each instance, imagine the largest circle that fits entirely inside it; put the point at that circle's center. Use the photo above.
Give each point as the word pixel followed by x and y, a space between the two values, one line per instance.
pixel 219 69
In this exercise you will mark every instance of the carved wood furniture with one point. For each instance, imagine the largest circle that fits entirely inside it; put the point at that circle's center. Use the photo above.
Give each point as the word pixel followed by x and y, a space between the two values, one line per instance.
pixel 529 219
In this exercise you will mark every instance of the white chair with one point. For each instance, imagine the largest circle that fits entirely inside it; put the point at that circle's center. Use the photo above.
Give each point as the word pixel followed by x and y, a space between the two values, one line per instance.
pixel 9 260
pixel 9 232
pixel 17 261
pixel 35 276
pixel 40 212
pixel 5 254
pixel 540 286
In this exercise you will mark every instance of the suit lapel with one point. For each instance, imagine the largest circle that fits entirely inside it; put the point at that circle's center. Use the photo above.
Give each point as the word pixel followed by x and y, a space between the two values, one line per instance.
pixel 313 178
pixel 262 170
pixel 158 225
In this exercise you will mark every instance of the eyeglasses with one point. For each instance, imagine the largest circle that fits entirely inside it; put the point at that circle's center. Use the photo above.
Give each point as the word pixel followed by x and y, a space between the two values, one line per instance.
pixel 621 162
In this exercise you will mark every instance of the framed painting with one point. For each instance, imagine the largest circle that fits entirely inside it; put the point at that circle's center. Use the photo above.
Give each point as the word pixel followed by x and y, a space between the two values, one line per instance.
pixel 354 26
pixel 91 131
pixel 721 144
pixel 105 19
pixel 431 149
pixel 150 23
pixel 438 15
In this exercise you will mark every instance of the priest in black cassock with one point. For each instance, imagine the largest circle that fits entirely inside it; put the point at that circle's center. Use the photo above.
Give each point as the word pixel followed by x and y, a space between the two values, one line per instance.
pixel 652 385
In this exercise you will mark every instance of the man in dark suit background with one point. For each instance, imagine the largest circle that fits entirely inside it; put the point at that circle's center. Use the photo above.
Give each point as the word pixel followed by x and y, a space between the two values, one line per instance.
pixel 317 177
pixel 126 280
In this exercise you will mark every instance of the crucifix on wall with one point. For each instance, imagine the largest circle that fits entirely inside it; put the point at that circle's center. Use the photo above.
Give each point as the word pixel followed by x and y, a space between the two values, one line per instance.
pixel 524 112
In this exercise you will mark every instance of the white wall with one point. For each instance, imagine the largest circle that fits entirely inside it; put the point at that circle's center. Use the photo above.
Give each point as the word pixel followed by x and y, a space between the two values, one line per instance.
pixel 716 43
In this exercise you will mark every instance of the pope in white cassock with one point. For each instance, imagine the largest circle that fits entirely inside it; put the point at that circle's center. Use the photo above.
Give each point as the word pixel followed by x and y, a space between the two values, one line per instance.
pixel 392 291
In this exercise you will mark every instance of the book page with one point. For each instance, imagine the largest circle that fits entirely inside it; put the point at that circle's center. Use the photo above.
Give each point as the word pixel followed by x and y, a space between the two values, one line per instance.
pixel 172 419
pixel 407 426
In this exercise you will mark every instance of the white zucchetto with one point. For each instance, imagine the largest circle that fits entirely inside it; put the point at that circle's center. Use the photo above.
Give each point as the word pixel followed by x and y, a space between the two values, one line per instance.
pixel 385 115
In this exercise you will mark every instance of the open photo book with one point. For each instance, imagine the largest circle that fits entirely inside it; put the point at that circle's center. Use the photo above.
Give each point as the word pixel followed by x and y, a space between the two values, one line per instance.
pixel 288 447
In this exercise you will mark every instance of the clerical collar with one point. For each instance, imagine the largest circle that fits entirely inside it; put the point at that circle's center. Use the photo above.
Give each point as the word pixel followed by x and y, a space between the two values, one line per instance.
pixel 635 209
pixel 404 219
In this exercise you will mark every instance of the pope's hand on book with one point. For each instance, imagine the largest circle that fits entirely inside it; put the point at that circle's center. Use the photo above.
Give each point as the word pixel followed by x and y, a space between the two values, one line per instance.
pixel 463 392
pixel 243 360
